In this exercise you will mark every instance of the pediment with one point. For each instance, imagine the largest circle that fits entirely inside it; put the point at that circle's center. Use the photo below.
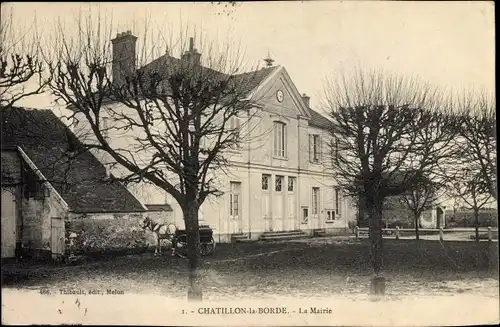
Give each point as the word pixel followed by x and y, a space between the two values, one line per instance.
pixel 278 95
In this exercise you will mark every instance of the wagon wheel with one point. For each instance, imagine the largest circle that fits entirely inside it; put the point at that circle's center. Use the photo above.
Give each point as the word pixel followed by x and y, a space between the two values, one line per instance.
pixel 208 248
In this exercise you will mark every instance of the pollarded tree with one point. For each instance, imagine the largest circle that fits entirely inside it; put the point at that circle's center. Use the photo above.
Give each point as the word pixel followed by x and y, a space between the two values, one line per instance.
pixel 169 122
pixel 467 185
pixel 390 133
pixel 20 61
pixel 421 197
pixel 477 141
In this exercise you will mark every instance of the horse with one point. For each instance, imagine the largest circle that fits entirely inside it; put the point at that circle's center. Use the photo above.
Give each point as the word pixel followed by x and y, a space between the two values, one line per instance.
pixel 162 232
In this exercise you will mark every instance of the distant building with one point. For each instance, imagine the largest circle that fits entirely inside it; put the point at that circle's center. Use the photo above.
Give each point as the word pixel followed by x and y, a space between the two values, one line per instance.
pixel 396 212
pixel 488 217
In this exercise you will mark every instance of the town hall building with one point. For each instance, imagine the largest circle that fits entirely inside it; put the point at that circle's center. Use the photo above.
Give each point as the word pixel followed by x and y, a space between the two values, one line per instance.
pixel 276 183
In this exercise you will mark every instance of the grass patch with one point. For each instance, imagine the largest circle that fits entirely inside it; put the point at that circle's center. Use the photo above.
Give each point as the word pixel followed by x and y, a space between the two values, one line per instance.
pixel 279 268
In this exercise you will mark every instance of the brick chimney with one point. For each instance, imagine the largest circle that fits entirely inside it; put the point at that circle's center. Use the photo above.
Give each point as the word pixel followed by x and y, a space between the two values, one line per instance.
pixel 306 99
pixel 123 56
pixel 192 55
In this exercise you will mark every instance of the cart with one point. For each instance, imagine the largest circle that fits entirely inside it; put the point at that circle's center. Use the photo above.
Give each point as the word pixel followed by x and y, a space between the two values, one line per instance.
pixel 207 241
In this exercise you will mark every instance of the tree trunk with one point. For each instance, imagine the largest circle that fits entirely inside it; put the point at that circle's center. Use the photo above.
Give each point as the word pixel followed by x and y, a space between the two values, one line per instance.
pixel 195 292
pixel 476 223
pixel 378 281
pixel 417 231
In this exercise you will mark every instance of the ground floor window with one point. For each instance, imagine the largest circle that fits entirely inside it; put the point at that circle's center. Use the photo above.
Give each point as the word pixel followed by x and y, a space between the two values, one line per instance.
pixel 265 182
pixel 278 185
pixel 330 215
pixel 305 215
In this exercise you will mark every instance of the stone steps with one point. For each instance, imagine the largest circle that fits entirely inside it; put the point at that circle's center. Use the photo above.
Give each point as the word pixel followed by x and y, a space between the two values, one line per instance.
pixel 240 238
pixel 319 232
pixel 285 235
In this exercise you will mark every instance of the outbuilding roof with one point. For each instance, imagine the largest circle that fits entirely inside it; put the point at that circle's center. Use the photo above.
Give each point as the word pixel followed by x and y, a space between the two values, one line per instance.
pixel 74 172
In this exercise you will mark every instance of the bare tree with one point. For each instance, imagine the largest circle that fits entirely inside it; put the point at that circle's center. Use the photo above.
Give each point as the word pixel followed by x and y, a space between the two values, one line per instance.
pixel 385 143
pixel 467 185
pixel 435 139
pixel 478 140
pixel 179 117
pixel 20 61
pixel 420 198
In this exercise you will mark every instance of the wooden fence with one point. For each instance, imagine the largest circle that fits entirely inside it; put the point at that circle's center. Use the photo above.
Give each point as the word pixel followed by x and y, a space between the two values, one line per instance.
pixel 397 232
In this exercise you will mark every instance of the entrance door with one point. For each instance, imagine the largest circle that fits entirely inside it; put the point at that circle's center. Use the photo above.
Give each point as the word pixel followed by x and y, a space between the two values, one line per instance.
pixel 278 201
pixel 9 216
pixel 235 207
pixel 57 237
pixel 266 205
pixel 439 217
pixel 292 214
pixel 315 208
pixel 266 212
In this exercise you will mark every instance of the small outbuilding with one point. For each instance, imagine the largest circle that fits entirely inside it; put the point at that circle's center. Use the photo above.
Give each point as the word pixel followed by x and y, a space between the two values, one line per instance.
pixel 52 187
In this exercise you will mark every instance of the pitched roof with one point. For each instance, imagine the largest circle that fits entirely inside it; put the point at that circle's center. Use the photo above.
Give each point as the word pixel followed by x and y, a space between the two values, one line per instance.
pixel 11 168
pixel 318 120
pixel 251 80
pixel 80 179
pixel 167 65
pixel 159 207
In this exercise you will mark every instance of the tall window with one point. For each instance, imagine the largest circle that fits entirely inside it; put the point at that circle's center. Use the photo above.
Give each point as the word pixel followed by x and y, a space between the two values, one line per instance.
pixel 234 199
pixel 305 215
pixel 316 146
pixel 234 123
pixel 265 182
pixel 279 184
pixel 337 202
pixel 315 200
pixel 234 128
pixel 280 139
pixel 330 215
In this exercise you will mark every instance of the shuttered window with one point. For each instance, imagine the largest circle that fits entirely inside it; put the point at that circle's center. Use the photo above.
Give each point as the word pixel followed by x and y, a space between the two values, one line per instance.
pixel 314 148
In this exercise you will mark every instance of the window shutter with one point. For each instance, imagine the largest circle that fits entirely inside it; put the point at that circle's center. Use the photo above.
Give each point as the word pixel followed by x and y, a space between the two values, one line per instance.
pixel 320 146
pixel 237 120
pixel 337 201
pixel 284 141
pixel 275 138
pixel 319 202
pixel 230 204
pixel 311 147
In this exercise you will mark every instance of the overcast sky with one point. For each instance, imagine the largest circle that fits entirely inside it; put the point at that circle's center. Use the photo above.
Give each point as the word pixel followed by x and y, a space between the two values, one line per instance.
pixel 450 44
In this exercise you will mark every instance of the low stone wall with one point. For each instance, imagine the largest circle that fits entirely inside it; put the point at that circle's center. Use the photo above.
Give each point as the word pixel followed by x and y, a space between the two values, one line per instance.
pixel 107 233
